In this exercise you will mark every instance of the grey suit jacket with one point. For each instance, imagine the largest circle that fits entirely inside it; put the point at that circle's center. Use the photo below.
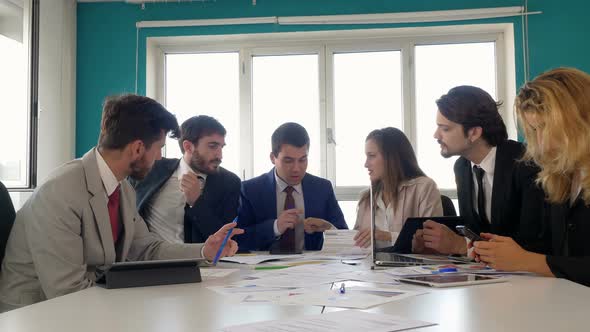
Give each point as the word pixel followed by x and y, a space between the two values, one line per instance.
pixel 62 235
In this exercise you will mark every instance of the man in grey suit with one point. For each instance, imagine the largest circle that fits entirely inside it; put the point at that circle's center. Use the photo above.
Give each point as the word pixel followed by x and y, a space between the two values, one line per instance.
pixel 84 218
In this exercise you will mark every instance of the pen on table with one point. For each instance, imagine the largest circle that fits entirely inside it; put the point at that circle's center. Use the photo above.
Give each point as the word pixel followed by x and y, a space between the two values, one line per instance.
pixel 216 259
pixel 342 289
pixel 447 270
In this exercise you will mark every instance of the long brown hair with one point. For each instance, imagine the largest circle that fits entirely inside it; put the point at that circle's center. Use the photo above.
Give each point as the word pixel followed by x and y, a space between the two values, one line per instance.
pixel 400 162
pixel 560 99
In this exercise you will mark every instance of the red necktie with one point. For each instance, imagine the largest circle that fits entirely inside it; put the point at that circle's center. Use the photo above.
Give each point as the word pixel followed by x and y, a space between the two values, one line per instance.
pixel 113 206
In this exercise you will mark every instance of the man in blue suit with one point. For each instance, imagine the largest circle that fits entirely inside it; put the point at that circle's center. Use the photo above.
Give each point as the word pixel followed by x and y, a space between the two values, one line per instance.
pixel 286 202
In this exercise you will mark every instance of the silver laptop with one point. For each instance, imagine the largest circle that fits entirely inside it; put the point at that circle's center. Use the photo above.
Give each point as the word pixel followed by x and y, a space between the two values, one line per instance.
pixel 384 258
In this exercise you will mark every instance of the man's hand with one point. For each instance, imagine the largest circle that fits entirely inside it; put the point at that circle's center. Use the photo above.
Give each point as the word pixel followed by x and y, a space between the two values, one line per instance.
pixel 441 239
pixel 190 185
pixel 214 242
pixel 418 244
pixel 288 219
pixel 312 225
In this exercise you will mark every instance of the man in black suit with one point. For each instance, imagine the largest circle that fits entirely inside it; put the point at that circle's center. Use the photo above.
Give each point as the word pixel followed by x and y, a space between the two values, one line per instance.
pixel 189 199
pixel 497 193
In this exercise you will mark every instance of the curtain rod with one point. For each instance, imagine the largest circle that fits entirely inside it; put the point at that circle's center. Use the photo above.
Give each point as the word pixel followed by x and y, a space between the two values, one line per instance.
pixel 385 18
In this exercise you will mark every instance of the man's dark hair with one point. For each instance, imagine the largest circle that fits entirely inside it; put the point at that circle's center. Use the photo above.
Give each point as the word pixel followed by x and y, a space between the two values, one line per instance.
pixel 198 126
pixel 472 107
pixel 131 117
pixel 289 133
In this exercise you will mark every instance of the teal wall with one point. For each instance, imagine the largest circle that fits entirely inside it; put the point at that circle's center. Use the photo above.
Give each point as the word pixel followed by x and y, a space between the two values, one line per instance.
pixel 107 37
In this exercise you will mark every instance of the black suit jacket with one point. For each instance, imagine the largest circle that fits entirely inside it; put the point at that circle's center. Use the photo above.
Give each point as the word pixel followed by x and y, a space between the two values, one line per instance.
pixel 217 205
pixel 566 241
pixel 517 201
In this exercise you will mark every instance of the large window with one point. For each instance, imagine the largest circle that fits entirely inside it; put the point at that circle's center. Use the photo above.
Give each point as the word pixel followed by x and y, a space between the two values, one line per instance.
pixel 339 90
pixel 17 128
pixel 205 84
pixel 285 89
pixel 438 69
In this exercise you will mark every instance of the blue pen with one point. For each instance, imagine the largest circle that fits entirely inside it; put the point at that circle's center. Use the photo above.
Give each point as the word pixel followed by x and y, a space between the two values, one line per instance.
pixel 216 259
pixel 342 289
pixel 447 270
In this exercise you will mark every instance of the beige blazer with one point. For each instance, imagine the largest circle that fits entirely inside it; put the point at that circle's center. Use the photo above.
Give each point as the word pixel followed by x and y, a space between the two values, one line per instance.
pixel 418 197
pixel 62 235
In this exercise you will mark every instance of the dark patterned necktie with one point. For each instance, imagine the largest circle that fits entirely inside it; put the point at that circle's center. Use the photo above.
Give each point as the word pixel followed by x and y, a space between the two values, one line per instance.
pixel 481 202
pixel 287 241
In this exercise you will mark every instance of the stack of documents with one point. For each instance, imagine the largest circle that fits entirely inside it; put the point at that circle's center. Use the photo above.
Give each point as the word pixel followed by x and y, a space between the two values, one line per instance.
pixel 339 244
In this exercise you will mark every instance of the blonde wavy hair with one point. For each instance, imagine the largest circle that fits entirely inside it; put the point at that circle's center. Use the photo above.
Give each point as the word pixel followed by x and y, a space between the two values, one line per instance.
pixel 560 101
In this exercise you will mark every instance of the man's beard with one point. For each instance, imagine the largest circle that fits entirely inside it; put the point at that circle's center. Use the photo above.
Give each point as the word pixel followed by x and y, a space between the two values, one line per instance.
pixel 199 164
pixel 139 170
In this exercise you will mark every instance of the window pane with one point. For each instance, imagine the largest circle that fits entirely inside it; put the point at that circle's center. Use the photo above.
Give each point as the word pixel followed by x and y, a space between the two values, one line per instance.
pixel 438 69
pixel 349 210
pixel 285 89
pixel 206 84
pixel 14 128
pixel 367 96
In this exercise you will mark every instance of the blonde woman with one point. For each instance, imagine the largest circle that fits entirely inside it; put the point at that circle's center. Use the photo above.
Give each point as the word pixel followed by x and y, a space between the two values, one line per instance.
pixel 554 111
pixel 400 188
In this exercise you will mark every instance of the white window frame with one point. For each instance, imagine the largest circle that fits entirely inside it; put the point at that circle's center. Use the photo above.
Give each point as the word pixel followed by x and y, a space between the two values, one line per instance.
pixel 325 43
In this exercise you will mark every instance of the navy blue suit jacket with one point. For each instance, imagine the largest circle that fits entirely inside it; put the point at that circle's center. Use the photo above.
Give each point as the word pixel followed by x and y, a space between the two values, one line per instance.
pixel 258 210
pixel 217 205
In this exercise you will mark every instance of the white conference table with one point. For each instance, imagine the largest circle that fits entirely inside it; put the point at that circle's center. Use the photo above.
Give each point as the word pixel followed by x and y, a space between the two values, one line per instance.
pixel 521 304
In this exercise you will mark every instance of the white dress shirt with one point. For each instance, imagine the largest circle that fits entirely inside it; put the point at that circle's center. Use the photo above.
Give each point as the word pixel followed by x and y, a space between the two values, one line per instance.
pixel 281 196
pixel 166 208
pixel 488 164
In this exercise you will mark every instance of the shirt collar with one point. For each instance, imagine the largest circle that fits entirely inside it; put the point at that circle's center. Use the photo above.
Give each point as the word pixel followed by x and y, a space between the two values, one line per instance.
pixel 488 163
pixel 281 185
pixel 109 180
pixel 184 168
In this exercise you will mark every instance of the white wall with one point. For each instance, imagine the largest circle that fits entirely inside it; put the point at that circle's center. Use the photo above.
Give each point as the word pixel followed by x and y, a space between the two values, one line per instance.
pixel 57 89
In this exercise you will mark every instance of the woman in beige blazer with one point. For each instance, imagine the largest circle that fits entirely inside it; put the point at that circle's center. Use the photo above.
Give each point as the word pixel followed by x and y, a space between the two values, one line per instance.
pixel 400 188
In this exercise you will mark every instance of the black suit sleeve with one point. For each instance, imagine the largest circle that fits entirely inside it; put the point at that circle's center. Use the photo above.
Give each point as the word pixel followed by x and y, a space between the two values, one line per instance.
pixel 576 269
pixel 217 207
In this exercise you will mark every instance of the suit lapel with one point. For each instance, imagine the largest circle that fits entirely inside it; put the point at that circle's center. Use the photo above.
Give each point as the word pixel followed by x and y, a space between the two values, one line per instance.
pixel 465 189
pixel 271 194
pixel 502 176
pixel 98 204
pixel 128 212
pixel 161 172
pixel 307 201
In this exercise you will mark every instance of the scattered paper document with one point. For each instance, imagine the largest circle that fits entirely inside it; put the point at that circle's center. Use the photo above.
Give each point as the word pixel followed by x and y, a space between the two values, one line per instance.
pixel 353 298
pixel 340 321
pixel 286 280
pixel 257 259
pixel 211 273
pixel 327 268
pixel 246 289
pixel 375 276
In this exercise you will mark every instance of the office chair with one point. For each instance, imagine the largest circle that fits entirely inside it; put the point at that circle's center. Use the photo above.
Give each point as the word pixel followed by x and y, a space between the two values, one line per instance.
pixel 7 215
pixel 448 206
